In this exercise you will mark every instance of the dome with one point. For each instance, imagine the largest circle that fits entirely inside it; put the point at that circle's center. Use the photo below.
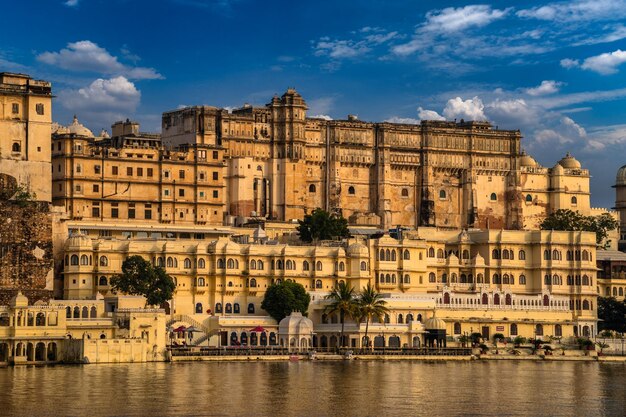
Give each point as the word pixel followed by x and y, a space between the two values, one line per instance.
pixel 295 324
pixel 526 160
pixel 558 169
pixel 434 323
pixel 259 233
pixel 78 129
pixel 19 300
pixel 569 162
pixel 620 179
pixel 78 239
pixel 357 249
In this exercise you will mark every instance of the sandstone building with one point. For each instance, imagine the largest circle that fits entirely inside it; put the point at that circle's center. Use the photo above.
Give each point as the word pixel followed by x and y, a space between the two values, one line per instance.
pixel 215 167
pixel 488 281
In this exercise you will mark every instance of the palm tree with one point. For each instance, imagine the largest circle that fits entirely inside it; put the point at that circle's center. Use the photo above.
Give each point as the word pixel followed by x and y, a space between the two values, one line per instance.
pixel 370 305
pixel 342 300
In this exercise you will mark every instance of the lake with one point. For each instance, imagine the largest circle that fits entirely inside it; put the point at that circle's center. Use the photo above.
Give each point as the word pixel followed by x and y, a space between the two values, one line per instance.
pixel 343 388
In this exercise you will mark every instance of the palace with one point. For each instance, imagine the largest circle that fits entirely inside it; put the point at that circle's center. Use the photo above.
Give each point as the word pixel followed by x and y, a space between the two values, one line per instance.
pixel 511 282
pixel 210 166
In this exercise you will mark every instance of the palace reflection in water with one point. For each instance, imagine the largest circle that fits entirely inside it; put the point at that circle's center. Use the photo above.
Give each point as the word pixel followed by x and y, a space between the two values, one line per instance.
pixel 316 388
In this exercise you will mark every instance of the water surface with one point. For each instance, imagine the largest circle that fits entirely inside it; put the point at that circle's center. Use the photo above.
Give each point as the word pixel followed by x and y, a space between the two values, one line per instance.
pixel 354 388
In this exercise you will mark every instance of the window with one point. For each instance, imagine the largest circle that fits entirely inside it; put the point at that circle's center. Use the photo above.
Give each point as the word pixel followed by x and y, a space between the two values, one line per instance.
pixel 363 266
pixel 215 155
pixel 215 176
pixel 312 188
pixel 187 263
pixel 147 213
pixel 351 190
pixel 522 280
pixel 513 329
pixel 166 174
pixel 149 172
pixel 529 198
pixel 215 194
pixel 131 210
pixel 129 171
pixel 96 169
pixel 574 201
pixel 253 283
pixel 218 307
pixel 405 192
pixel 96 188
pixel 181 174
pixel 84 260
pixel 493 197
pixel 181 192
pixel 15 108
pixel 442 194
pixel 74 260
pixel 39 108
pixel 521 255
pixel 318 266
pixel 114 210
pixel 104 261
pixel 201 263
pixel 166 192
pixel 406 255
pixel 140 172
pixel 78 169
pixel 95 210
pixel 251 309
pixel 114 170
pixel 236 308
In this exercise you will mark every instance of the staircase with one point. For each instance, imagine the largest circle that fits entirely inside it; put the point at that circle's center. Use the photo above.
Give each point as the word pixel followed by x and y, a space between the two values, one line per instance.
pixel 201 336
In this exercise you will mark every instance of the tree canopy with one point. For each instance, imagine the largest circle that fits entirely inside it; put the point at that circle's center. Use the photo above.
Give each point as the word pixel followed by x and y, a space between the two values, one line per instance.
pixel 322 225
pixel 139 277
pixel 370 304
pixel 283 298
pixel 343 301
pixel 612 314
pixel 564 219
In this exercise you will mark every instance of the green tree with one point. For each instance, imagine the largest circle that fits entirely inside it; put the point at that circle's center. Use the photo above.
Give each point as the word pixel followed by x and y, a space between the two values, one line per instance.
pixel 564 219
pixel 611 314
pixel 139 277
pixel 370 304
pixel 343 301
pixel 285 297
pixel 322 225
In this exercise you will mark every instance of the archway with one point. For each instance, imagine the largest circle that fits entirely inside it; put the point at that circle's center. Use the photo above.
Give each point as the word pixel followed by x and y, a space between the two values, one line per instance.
pixel 4 352
pixel 40 352
pixel 416 341
pixel 394 342
pixel 379 341
pixel 30 352
pixel 52 352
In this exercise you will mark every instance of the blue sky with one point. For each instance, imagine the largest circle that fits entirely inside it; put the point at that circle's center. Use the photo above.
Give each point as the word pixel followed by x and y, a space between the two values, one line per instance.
pixel 554 70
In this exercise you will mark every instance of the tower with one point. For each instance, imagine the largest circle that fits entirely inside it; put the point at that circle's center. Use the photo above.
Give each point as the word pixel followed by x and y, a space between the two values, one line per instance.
pixel 620 205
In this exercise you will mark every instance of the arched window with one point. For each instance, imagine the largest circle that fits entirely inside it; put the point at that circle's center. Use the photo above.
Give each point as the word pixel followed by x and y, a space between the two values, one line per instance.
pixel 409 318
pixel 405 192
pixel 229 308
pixel 363 266
pixel 393 254
pixel 407 279
pixel 406 255
pixel 252 283
pixel 279 264
pixel 312 188
pixel 556 255
pixel 289 265
pixel 439 254
pixel 187 263
pixel 442 194
pixel 198 308
pixel 507 299
pixel 496 279
pixel 546 301
pixel 457 328
pixel 539 330
pixel 318 283
pixel 529 198
pixel 505 279
pixel 585 255
pixel 574 201
pixel 74 260
pixel 446 298
pixel 104 261
pixel 513 329
pixel 342 266
pixel 230 263
pixel 201 282
pixel 465 254
pixel 479 278
pixel 305 266
pixel 16 147
pixel 218 307
pixel 201 263
pixel 558 330
pixel 400 319
pixel 546 255
pixel 84 260
pixel 495 254
pixel 432 277
pixel 318 266
pixel 259 265
pixel 485 299
pixel 521 255
pixel 493 197
pixel 547 280
pixel 505 254
pixel 570 280
pixel 522 279
pixel 351 190
pixel 250 308
pixel 236 309
pixel 585 305
pixel 431 252
pixel 103 282
pixel 496 299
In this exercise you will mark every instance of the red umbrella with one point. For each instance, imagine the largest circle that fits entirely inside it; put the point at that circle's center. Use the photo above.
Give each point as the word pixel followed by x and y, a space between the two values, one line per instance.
pixel 257 329
pixel 180 329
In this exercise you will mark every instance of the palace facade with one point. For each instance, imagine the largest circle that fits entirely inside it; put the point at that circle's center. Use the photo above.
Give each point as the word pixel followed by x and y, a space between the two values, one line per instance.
pixel 210 166
pixel 510 282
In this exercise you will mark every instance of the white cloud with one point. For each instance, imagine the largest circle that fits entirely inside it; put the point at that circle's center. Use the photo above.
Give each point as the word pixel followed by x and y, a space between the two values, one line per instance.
pixel 114 94
pixel 546 87
pixel 88 56
pixel 367 39
pixel 71 3
pixel 453 19
pixel 471 109
pixel 425 114
pixel 403 120
pixel 321 116
pixel 605 63
pixel 321 105
pixel 581 10
pixel 569 63
pixel 615 33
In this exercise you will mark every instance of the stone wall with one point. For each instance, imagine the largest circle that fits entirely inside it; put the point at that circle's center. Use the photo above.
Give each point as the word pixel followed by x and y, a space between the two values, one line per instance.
pixel 25 247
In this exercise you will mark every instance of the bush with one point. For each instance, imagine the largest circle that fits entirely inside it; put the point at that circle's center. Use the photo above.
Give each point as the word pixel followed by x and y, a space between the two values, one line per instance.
pixel 519 340
pixel 497 337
